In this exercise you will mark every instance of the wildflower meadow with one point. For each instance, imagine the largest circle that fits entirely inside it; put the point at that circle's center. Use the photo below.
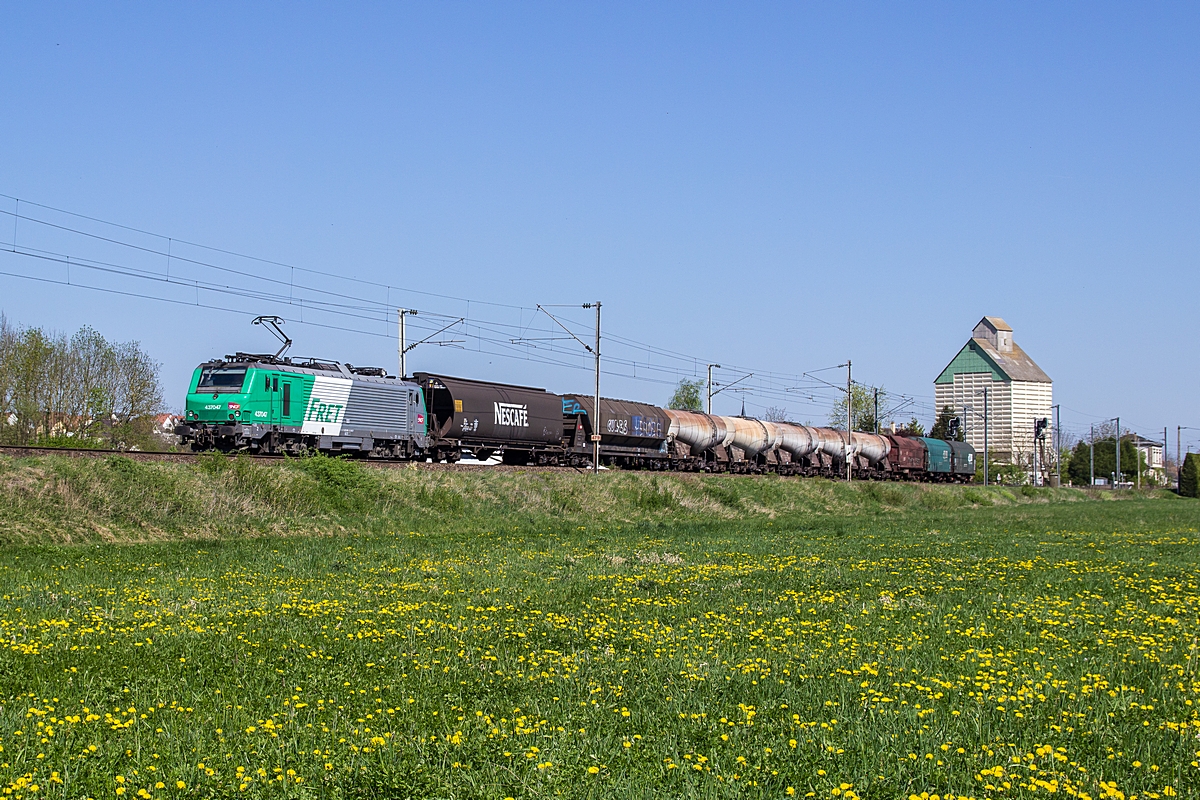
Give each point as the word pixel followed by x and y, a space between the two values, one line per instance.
pixel 982 652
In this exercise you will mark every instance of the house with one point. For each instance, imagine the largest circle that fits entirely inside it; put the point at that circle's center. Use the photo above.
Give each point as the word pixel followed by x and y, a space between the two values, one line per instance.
pixel 164 428
pixel 1151 451
pixel 1019 394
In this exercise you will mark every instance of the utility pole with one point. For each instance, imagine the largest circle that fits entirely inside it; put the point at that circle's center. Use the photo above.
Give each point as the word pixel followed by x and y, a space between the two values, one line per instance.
pixel 1092 454
pixel 986 454
pixel 877 411
pixel 596 405
pixel 595 351
pixel 987 457
pixel 710 385
pixel 1118 481
pixel 849 423
pixel 1057 439
pixel 401 313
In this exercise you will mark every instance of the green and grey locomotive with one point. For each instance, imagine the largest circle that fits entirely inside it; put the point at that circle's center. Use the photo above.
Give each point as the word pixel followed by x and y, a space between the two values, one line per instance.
pixel 266 405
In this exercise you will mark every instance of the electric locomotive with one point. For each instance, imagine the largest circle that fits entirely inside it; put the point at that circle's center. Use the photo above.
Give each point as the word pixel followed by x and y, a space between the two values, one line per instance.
pixel 266 405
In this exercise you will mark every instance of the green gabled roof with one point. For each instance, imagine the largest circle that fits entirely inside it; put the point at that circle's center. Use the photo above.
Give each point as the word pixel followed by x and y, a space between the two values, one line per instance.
pixel 972 359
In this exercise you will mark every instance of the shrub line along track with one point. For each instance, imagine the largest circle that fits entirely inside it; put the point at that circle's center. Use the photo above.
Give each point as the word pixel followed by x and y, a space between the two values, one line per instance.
pixel 20 451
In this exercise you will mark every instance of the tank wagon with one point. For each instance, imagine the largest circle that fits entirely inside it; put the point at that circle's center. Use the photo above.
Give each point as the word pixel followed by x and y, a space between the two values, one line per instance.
pixel 266 404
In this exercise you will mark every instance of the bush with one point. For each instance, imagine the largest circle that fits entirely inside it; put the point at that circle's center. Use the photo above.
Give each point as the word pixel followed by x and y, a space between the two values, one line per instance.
pixel 342 485
pixel 1189 476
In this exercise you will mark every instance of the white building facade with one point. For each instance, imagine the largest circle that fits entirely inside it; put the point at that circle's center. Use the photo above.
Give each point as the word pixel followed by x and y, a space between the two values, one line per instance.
pixel 1018 394
pixel 1152 452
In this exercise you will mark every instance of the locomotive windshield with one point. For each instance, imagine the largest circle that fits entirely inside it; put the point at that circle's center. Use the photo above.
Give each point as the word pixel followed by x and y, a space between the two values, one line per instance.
pixel 221 379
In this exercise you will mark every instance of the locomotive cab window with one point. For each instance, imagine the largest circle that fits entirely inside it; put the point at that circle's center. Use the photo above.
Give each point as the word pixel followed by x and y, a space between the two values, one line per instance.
pixel 221 379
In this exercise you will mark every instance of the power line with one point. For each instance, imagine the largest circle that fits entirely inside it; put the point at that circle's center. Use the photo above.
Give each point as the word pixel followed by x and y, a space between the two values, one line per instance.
pixel 496 335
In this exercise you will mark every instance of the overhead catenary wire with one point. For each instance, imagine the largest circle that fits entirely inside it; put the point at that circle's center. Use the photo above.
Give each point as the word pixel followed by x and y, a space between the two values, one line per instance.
pixel 482 329
pixel 490 336
pixel 631 359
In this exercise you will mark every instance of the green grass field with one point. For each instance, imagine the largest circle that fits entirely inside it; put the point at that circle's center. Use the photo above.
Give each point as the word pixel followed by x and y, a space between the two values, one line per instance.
pixel 320 630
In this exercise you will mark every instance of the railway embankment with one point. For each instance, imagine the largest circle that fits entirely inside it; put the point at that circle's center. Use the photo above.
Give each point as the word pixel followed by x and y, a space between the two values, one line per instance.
pixel 51 499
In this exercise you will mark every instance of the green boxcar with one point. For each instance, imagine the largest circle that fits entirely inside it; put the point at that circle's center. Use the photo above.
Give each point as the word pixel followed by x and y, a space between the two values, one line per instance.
pixel 964 461
pixel 938 459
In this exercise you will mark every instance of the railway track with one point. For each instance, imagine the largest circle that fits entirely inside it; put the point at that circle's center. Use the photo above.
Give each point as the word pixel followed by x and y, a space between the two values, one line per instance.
pixel 17 451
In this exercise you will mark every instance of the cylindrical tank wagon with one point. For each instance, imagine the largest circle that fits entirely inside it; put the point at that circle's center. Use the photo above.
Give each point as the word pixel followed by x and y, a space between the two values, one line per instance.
pixel 701 434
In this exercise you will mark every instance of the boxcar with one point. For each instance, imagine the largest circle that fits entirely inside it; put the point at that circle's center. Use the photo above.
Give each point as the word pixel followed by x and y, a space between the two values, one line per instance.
pixel 907 456
pixel 963 457
pixel 938 464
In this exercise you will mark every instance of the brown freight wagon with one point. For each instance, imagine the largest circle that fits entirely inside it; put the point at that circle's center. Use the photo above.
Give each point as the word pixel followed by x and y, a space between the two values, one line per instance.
pixel 631 434
pixel 907 456
pixel 523 424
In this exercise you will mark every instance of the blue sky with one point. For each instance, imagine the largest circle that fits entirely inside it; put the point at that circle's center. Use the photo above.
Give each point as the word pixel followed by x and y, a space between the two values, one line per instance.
pixel 775 188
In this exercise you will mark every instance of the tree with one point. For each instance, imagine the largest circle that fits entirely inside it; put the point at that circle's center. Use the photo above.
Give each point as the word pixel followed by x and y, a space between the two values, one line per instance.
pixel 1189 476
pixel 775 414
pixel 687 396
pixel 1079 468
pixel 82 388
pixel 941 426
pixel 1079 465
pixel 912 428
pixel 864 408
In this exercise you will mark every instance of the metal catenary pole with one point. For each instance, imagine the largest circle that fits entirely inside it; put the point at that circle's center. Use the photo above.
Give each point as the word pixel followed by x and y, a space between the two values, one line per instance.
pixel 1117 474
pixel 877 412
pixel 1057 449
pixel 596 414
pixel 596 406
pixel 1137 454
pixel 1092 454
pixel 401 313
pixel 986 454
pixel 849 422
pixel 711 367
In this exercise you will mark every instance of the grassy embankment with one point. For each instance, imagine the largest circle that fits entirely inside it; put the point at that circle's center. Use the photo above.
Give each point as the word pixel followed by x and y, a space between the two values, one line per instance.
pixel 66 500
pixel 538 635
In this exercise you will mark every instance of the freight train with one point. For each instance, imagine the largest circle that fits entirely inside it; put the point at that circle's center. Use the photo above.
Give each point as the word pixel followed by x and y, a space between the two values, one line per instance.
pixel 263 404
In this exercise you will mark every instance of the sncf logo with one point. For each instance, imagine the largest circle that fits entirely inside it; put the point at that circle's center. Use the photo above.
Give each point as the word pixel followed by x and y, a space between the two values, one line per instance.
pixel 512 414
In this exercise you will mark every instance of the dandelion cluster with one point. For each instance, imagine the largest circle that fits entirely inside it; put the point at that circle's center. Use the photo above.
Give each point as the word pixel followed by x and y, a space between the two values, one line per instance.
pixel 761 661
